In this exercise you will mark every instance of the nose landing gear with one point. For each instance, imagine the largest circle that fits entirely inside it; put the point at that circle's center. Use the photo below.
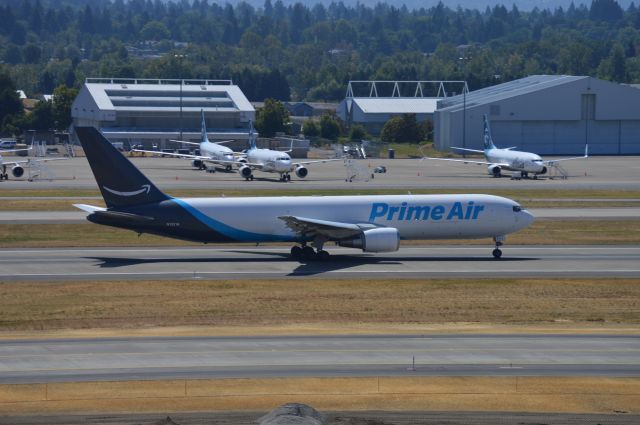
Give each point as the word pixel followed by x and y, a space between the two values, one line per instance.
pixel 497 252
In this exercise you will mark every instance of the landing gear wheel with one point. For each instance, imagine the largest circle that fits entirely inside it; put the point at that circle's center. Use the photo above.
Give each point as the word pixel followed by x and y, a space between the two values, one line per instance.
pixel 228 168
pixel 308 253
pixel 296 252
pixel 288 177
pixel 251 177
pixel 497 253
pixel 6 176
pixel 322 255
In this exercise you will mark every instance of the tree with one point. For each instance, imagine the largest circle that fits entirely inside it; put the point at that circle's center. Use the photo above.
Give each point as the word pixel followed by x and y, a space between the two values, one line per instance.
pixel 357 132
pixel 41 119
pixel 402 129
pixel 310 129
pixel 63 98
pixel 271 118
pixel 10 105
pixel 155 30
pixel 329 127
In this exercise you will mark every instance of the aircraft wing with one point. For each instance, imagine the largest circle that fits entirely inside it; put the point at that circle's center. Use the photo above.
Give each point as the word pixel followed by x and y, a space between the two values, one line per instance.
pixel 315 161
pixel 30 161
pixel 332 230
pixel 185 142
pixel 468 150
pixel 177 155
pixel 467 161
pixel 554 161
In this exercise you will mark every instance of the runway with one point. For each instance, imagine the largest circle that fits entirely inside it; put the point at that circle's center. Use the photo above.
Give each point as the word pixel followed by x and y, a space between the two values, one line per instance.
pixel 39 361
pixel 274 262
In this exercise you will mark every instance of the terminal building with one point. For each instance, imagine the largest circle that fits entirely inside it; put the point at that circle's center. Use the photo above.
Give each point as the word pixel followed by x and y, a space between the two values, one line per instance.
pixel 545 114
pixel 153 112
pixel 372 103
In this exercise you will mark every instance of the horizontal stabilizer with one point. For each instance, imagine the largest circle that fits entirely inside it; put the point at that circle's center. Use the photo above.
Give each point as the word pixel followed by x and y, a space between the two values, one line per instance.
pixel 89 208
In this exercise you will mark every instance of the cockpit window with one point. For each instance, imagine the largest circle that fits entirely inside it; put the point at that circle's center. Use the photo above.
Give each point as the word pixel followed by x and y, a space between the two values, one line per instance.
pixel 517 208
pixel 283 158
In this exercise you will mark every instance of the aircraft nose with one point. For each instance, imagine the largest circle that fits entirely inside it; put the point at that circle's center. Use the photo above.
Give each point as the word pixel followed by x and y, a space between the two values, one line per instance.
pixel 525 218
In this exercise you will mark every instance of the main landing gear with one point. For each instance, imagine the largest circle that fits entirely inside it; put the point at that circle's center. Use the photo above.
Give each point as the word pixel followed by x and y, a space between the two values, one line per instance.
pixel 307 253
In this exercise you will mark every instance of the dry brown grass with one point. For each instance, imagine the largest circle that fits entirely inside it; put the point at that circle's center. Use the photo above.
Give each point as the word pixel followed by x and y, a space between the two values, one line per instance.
pixel 502 394
pixel 552 232
pixel 325 303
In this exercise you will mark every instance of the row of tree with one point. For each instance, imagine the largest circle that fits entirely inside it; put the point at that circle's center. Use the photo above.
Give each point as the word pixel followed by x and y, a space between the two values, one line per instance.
pixel 310 52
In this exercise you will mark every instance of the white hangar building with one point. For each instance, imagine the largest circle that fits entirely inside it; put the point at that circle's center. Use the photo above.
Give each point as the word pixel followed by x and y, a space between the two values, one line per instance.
pixel 155 111
pixel 372 103
pixel 545 114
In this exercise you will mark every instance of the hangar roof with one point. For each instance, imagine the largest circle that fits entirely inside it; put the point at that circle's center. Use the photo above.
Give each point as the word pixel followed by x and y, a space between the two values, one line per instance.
pixel 159 95
pixel 397 105
pixel 507 90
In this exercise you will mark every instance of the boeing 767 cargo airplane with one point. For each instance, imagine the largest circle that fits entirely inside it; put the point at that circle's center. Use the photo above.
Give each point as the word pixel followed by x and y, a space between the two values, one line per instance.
pixel 370 223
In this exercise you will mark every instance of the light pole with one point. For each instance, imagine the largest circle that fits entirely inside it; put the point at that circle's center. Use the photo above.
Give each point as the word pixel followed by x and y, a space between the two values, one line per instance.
pixel 180 58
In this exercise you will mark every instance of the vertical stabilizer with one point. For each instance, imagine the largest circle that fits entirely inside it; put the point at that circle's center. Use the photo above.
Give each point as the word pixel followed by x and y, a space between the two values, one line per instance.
pixel 252 136
pixel 488 141
pixel 204 137
pixel 120 182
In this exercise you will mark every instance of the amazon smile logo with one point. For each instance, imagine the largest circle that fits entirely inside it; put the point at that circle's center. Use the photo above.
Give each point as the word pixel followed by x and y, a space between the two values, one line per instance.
pixel 144 188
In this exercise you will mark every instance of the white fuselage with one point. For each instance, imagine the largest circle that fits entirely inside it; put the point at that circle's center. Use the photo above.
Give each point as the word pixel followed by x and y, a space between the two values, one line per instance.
pixel 414 216
pixel 216 151
pixel 271 161
pixel 516 160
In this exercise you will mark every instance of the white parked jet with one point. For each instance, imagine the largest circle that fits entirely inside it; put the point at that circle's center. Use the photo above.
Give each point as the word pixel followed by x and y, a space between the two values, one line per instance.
pixel 272 161
pixel 17 168
pixel 370 223
pixel 210 152
pixel 509 159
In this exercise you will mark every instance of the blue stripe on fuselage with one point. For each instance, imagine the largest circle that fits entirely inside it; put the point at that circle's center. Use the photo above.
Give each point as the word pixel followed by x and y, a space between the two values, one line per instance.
pixel 231 232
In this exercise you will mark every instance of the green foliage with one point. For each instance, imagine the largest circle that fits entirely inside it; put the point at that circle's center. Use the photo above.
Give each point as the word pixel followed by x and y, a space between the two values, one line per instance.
pixel 304 52
pixel 63 98
pixel 271 118
pixel 10 105
pixel 402 129
pixel 357 132
pixel 329 127
pixel 310 129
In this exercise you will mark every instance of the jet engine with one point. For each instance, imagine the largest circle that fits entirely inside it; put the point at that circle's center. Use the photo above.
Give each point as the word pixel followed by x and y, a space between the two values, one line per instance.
pixel 197 163
pixel 544 171
pixel 17 171
pixel 494 170
pixel 385 239
pixel 301 171
pixel 245 171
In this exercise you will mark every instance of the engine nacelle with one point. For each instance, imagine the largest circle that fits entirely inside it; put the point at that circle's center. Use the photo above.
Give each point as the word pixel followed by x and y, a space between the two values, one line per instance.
pixel 17 171
pixel 301 171
pixel 544 170
pixel 245 171
pixel 385 239
pixel 494 170
pixel 197 163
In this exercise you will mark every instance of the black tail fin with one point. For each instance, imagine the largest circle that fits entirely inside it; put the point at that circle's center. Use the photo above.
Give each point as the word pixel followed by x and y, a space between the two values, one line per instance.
pixel 121 183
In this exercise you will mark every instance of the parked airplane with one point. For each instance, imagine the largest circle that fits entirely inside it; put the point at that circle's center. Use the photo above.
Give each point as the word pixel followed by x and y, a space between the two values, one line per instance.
pixel 212 153
pixel 272 161
pixel 17 168
pixel 508 159
pixel 370 223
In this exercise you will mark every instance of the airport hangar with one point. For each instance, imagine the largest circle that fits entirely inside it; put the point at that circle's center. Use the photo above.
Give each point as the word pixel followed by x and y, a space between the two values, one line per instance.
pixel 545 114
pixel 155 111
pixel 372 103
